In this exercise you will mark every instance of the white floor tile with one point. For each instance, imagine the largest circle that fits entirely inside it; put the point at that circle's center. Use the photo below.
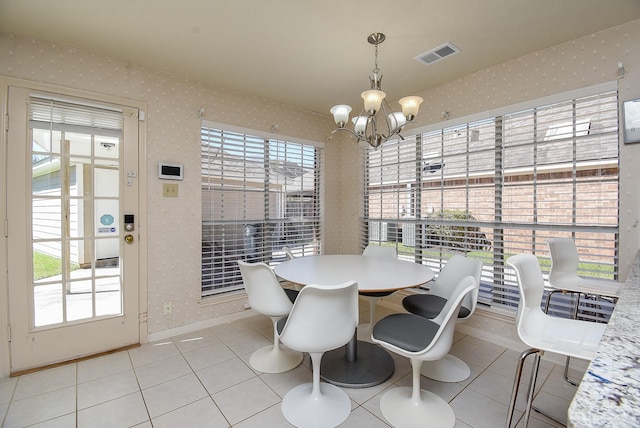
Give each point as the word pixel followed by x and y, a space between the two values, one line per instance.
pixel 359 417
pixel 107 388
pixel 125 411
pixel 203 379
pixel 45 381
pixel 104 366
pixel 7 387
pixel 3 410
pixel 161 371
pixel 247 343
pixel 232 329
pixel 478 410
pixel 40 408
pixel 271 417
pixel 245 400
pixel 282 383
pixel 494 385
pixel 224 375
pixel 196 340
pixel 208 356
pixel 555 407
pixel 201 414
pixel 152 352
pixel 176 393
pixel 66 421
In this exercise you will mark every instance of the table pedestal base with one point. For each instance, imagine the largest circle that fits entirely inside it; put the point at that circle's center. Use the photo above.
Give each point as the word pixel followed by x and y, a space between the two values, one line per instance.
pixel 369 366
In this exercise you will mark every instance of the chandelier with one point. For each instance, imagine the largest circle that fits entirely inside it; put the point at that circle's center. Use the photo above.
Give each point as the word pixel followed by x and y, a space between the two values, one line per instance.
pixel 376 123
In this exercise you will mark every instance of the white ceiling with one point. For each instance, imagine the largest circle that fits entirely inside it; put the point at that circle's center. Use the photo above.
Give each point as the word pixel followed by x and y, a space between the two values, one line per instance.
pixel 312 54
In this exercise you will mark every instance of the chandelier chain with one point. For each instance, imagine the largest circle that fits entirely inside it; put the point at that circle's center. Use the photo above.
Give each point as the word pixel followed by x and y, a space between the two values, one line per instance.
pixel 376 69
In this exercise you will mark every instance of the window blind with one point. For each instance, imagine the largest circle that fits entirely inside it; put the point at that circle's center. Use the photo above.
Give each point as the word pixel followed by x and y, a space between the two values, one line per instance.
pixel 62 115
pixel 258 196
pixel 500 186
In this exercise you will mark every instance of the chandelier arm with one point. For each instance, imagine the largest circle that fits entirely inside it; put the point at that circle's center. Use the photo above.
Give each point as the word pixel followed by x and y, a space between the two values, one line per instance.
pixel 359 137
pixel 385 116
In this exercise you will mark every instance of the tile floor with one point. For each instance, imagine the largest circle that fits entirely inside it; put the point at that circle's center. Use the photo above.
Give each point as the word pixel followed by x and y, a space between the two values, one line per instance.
pixel 204 379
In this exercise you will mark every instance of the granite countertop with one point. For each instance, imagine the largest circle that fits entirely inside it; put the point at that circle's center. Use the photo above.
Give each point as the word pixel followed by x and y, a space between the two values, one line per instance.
pixel 609 394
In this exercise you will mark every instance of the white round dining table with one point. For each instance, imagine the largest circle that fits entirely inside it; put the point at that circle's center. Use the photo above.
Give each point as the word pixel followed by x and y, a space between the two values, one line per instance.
pixel 359 364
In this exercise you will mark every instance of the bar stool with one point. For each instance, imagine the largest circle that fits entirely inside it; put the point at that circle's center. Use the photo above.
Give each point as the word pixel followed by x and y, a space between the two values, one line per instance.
pixel 542 332
pixel 564 278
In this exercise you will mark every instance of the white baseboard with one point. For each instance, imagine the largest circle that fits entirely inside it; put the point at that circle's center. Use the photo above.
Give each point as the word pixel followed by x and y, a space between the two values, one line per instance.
pixel 185 329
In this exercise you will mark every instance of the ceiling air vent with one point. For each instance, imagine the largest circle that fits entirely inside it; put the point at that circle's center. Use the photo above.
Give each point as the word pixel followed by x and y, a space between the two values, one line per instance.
pixel 437 54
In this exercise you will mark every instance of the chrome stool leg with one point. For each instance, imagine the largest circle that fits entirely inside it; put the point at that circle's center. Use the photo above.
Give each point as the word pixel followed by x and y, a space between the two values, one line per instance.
pixel 575 316
pixel 530 392
pixel 532 387
pixel 516 385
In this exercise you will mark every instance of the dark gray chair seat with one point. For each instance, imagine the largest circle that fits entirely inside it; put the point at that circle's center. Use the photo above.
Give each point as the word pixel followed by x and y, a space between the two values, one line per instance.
pixel 407 331
pixel 429 306
pixel 291 294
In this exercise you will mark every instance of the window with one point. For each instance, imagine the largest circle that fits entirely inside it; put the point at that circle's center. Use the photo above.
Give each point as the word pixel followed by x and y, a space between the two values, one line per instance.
pixel 258 196
pixel 502 185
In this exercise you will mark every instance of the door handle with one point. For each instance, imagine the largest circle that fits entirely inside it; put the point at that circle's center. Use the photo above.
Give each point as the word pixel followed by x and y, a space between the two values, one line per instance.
pixel 128 239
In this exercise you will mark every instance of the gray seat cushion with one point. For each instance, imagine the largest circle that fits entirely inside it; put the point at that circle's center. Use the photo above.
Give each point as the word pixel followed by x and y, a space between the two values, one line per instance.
pixel 291 294
pixel 429 306
pixel 406 331
pixel 376 293
pixel 280 324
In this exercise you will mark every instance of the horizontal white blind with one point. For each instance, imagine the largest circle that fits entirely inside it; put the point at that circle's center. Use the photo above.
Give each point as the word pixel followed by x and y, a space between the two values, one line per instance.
pixel 501 186
pixel 60 115
pixel 258 196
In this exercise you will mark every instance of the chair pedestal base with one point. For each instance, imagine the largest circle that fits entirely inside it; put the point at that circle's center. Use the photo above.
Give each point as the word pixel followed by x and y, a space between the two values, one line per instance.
pixel 270 359
pixel 329 409
pixel 371 365
pixel 400 410
pixel 447 369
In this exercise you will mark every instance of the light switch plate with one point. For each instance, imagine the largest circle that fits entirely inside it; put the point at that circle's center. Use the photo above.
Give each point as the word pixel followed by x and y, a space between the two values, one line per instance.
pixel 169 190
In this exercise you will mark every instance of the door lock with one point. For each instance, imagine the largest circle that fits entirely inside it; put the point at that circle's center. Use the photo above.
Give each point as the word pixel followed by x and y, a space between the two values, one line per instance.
pixel 129 223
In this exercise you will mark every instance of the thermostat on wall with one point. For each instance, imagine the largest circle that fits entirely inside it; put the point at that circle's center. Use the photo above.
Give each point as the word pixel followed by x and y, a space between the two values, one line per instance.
pixel 169 171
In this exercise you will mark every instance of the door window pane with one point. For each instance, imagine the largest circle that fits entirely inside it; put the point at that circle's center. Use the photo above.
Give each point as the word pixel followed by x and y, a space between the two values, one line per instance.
pixel 47 301
pixel 79 299
pixel 79 144
pixel 108 296
pixel 106 147
pixel 47 261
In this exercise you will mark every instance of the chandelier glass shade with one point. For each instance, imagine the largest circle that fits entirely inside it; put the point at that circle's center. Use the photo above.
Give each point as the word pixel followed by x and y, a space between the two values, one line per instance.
pixel 376 123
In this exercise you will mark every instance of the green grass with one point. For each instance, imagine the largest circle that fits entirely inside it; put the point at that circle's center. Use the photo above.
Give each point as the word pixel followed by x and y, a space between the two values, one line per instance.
pixel 45 266
pixel 587 269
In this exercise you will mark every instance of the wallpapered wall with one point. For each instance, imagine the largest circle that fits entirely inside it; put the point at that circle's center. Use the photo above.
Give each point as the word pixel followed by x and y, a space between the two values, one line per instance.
pixel 173 135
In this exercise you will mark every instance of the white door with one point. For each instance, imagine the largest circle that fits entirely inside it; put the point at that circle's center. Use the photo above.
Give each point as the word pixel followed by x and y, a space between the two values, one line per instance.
pixel 72 179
